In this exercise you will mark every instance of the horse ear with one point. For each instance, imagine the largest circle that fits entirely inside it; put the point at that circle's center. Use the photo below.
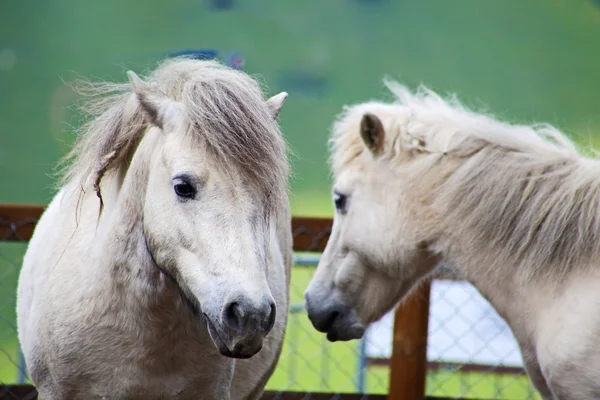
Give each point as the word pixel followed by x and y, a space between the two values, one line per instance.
pixel 276 103
pixel 372 133
pixel 159 108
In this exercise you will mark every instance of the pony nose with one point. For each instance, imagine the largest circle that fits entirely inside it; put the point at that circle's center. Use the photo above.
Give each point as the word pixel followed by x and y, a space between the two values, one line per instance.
pixel 246 317
pixel 322 317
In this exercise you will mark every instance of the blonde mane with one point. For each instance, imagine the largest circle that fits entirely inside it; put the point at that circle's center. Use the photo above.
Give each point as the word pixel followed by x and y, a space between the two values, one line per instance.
pixel 521 192
pixel 227 110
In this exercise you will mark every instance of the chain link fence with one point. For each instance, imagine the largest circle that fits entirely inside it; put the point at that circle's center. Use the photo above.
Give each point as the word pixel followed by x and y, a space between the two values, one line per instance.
pixel 471 349
pixel 12 365
pixel 471 352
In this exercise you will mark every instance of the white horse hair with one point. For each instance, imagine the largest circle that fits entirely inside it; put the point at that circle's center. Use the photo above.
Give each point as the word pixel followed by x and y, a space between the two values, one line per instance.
pixel 514 209
pixel 161 268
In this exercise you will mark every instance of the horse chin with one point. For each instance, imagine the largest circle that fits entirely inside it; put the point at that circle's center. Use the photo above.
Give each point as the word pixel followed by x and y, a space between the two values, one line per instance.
pixel 343 332
pixel 239 351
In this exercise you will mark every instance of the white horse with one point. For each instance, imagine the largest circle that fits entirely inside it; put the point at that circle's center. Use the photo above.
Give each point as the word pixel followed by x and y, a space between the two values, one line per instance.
pixel 513 209
pixel 161 262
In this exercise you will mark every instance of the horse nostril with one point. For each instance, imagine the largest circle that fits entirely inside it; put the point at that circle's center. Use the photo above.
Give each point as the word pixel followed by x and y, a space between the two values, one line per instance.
pixel 242 316
pixel 234 316
pixel 270 318
pixel 328 323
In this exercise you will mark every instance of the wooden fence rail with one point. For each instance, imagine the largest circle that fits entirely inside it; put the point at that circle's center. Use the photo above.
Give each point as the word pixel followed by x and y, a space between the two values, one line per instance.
pixel 408 363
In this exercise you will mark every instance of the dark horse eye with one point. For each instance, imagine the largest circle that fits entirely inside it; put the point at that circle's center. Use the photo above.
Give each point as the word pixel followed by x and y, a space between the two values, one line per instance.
pixel 184 189
pixel 340 201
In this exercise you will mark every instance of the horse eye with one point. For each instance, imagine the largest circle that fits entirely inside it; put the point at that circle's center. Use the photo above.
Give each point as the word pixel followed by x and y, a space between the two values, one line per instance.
pixel 340 201
pixel 184 189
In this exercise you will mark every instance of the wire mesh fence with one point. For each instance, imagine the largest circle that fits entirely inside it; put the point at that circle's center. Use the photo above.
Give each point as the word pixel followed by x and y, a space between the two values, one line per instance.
pixel 471 349
pixel 12 248
pixel 309 363
pixel 471 352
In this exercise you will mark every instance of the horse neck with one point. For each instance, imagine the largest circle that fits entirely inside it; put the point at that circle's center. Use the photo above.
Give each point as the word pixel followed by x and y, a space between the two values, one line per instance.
pixel 121 223
pixel 520 233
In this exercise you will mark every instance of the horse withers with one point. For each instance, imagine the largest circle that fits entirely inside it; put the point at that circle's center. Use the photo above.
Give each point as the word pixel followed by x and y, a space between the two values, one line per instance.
pixel 513 209
pixel 161 268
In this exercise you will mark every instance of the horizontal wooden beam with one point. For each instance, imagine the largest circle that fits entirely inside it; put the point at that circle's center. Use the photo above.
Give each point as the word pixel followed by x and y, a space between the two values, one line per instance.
pixel 311 234
pixel 28 392
pixel 318 396
pixel 17 222
pixel 456 367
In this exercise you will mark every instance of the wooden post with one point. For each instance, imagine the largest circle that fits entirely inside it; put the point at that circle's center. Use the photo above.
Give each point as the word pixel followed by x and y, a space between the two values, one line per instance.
pixel 408 364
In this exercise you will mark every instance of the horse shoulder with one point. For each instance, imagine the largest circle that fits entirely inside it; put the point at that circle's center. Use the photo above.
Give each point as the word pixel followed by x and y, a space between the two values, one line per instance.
pixel 567 330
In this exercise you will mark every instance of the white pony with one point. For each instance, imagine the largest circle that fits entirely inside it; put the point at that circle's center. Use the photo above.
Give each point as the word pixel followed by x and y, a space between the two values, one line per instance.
pixel 164 259
pixel 513 209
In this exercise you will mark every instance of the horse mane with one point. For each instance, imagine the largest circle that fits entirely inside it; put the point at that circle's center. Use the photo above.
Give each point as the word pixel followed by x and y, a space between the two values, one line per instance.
pixel 522 192
pixel 227 109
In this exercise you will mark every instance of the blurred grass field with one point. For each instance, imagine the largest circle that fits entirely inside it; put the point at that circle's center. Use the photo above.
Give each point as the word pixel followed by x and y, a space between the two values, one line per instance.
pixel 526 61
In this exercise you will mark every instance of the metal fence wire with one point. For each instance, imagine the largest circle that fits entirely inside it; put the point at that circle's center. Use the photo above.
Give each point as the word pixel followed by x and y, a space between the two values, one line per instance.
pixel 471 352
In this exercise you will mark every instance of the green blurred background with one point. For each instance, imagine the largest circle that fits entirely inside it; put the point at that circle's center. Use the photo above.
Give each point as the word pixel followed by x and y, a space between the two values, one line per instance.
pixel 535 60
pixel 525 61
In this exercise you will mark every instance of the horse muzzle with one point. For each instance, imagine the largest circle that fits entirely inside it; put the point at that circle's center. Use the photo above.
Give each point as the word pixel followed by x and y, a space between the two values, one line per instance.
pixel 240 330
pixel 338 321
